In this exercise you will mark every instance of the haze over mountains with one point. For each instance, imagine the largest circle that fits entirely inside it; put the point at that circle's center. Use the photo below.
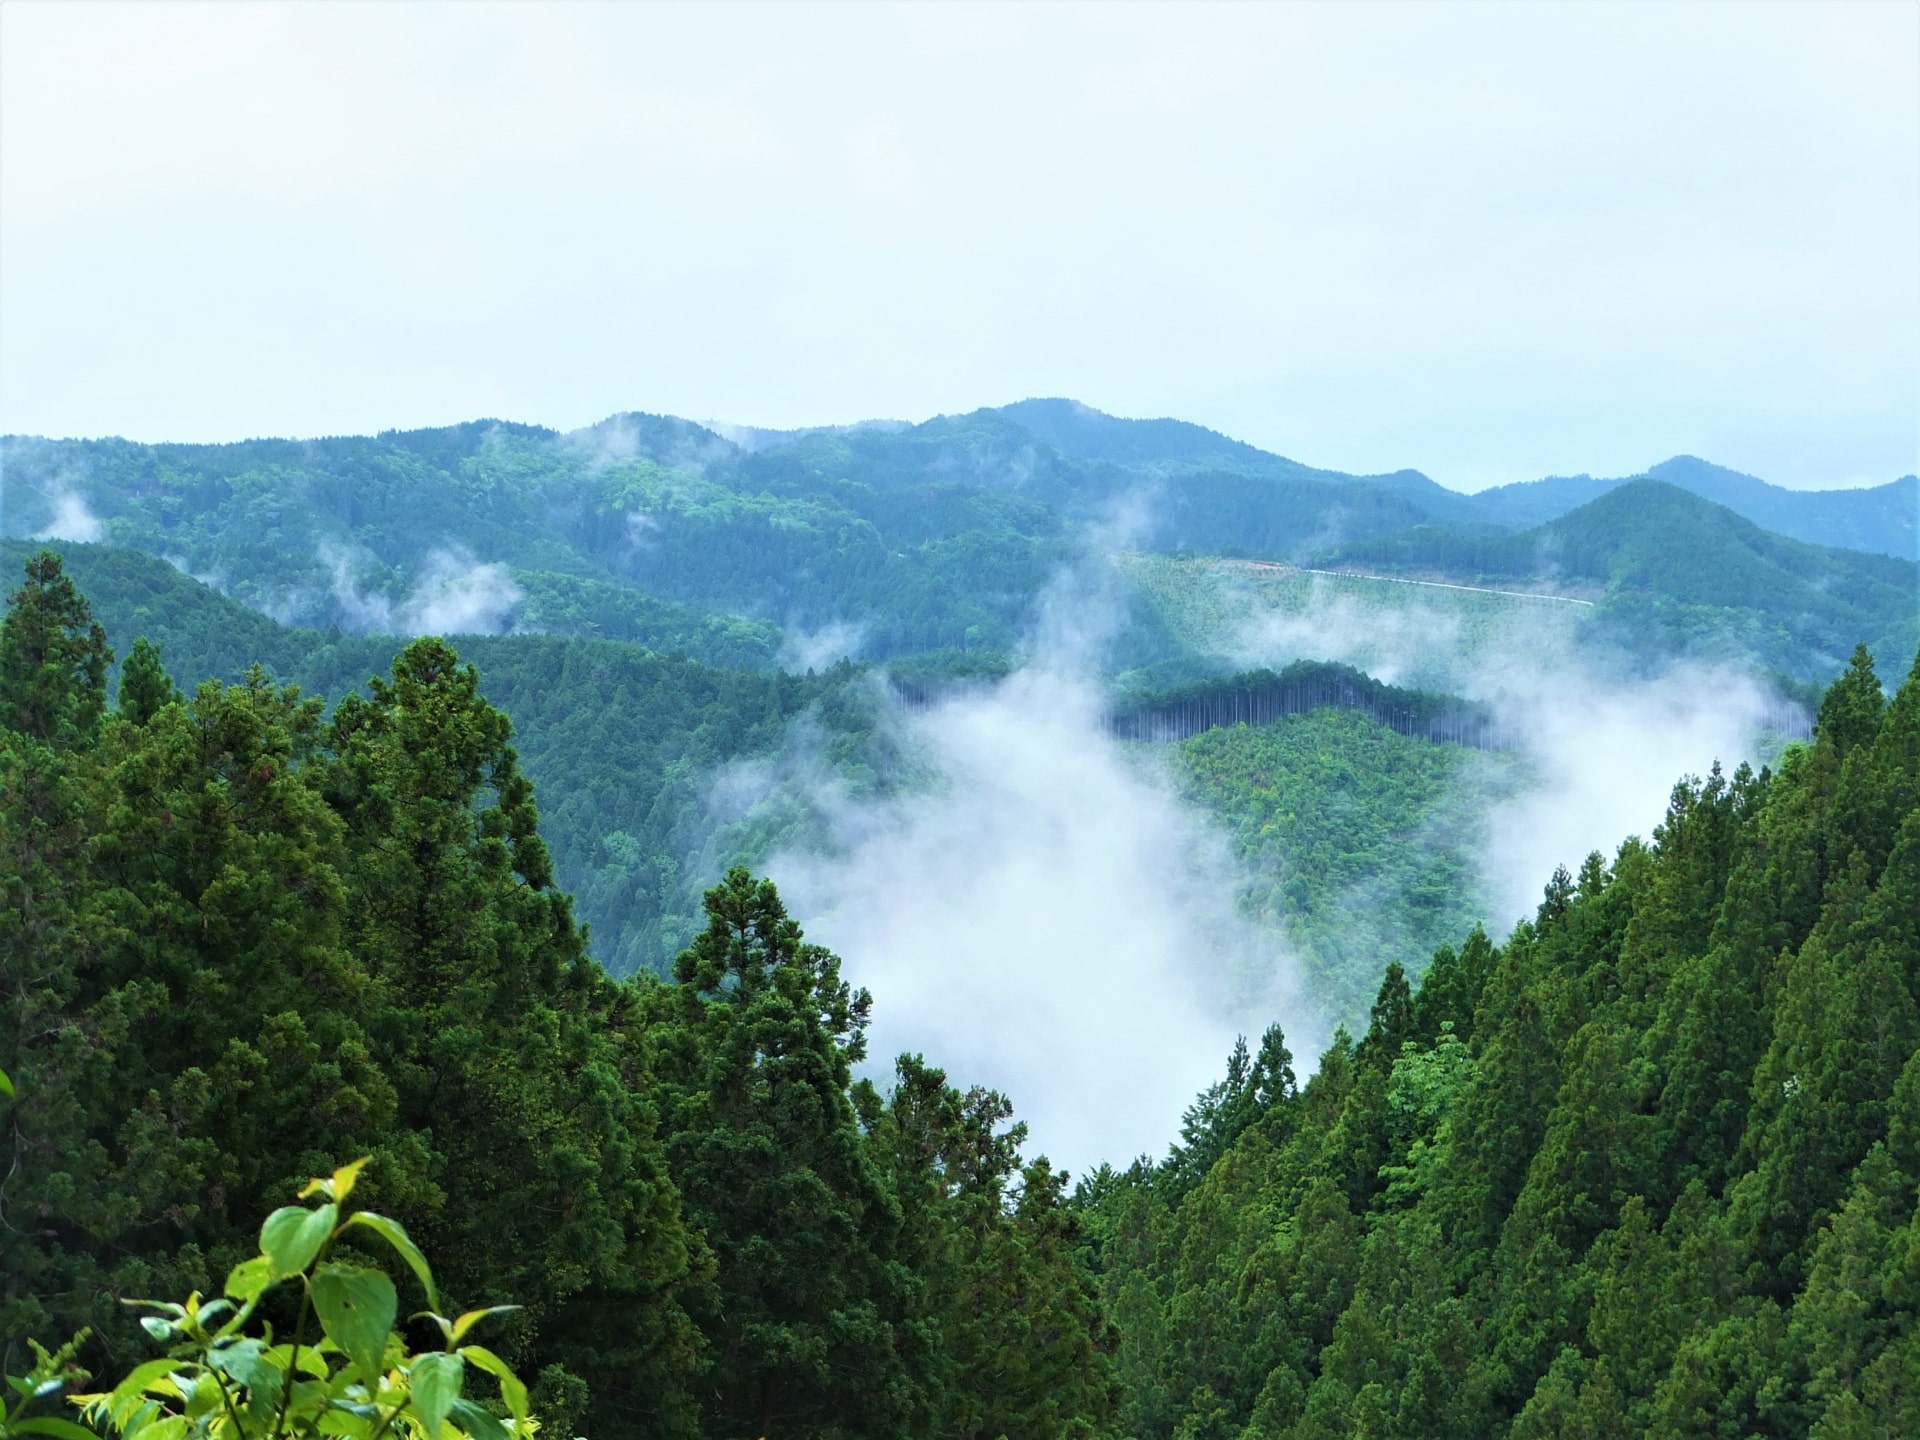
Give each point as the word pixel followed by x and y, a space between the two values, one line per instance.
pixel 889 540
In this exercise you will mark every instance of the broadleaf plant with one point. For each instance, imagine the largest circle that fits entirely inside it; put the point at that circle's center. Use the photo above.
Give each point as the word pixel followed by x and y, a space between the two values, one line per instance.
pixel 226 1376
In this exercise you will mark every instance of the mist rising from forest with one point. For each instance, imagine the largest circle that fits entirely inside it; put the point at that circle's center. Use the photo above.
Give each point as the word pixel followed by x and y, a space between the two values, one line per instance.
pixel 453 594
pixel 1046 915
pixel 1041 913
pixel 1604 740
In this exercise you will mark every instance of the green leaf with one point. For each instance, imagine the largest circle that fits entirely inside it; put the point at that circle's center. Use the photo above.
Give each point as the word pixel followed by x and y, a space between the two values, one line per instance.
pixel 435 1381
pixel 395 1235
pixel 473 1317
pixel 478 1421
pixel 356 1308
pixel 250 1278
pixel 293 1235
pixel 49 1425
pixel 125 1397
pixel 511 1390
pixel 6 1085
pixel 305 1357
pixel 164 1427
pixel 249 1362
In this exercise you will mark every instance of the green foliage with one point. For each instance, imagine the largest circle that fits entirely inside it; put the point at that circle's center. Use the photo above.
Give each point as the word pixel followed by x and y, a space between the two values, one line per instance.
pixel 31 1406
pixel 53 659
pixel 225 1377
pixel 145 688
pixel 239 936
pixel 1362 841
pixel 1648 1168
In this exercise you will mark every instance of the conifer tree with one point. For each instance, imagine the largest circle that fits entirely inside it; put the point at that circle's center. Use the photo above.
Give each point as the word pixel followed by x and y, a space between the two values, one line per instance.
pixel 145 687
pixel 806 1332
pixel 53 659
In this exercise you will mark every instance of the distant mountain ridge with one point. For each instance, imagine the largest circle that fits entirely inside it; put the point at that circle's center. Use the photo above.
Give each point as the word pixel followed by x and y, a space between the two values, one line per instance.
pixel 1880 519
pixel 884 540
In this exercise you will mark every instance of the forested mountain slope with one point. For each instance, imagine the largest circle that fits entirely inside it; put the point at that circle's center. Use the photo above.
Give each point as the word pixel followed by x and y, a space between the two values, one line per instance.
pixel 628 748
pixel 790 548
pixel 1880 519
pixel 1646 1168
pixel 623 741
pixel 242 942
pixel 1679 571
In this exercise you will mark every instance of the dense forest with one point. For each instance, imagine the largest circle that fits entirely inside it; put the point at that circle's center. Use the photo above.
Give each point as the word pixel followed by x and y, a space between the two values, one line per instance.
pixel 241 942
pixel 625 742
pixel 1646 1167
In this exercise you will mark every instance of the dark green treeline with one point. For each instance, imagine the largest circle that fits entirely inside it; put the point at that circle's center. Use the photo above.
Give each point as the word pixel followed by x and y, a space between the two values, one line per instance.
pixel 241 941
pixel 1647 1169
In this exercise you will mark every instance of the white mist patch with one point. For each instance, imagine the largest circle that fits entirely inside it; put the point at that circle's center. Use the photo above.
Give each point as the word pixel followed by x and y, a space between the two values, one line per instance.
pixel 833 642
pixel 1047 919
pixel 453 595
pixel 71 520
pixel 459 596
pixel 1606 758
pixel 1604 746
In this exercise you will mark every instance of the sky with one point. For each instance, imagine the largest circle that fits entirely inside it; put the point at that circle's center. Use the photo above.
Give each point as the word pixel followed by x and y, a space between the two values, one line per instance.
pixel 1487 242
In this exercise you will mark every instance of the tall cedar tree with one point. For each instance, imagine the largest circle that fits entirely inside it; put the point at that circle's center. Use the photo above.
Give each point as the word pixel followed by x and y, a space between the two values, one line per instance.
pixel 807 1330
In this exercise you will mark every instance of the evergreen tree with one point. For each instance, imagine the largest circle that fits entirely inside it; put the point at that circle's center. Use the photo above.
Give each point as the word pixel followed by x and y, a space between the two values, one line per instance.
pixel 145 687
pixel 53 659
pixel 807 1331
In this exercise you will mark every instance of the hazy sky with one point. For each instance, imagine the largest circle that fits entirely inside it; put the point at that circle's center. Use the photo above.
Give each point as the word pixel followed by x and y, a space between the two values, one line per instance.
pixel 1487 242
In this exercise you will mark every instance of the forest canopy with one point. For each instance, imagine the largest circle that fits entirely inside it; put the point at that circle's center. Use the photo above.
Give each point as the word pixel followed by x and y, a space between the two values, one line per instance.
pixel 1646 1166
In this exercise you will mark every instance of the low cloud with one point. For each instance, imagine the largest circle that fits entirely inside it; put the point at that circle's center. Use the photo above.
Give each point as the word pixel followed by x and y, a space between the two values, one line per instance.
pixel 1037 909
pixel 71 520
pixel 1605 755
pixel 453 594
pixel 837 640
pixel 1604 741
pixel 1045 916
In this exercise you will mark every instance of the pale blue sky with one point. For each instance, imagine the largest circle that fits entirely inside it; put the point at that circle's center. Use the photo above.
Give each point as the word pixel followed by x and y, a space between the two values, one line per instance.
pixel 1487 242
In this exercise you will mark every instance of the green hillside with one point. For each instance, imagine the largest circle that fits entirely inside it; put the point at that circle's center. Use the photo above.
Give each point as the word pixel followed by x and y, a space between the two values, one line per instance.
pixel 1360 843
pixel 1438 637
pixel 621 741
pixel 1678 573
pixel 885 541
pixel 625 746
pixel 1646 1168
pixel 1880 519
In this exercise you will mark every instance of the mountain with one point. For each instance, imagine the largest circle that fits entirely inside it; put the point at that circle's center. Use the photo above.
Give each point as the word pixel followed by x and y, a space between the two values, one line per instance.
pixel 878 539
pixel 1174 447
pixel 1881 520
pixel 625 746
pixel 1672 569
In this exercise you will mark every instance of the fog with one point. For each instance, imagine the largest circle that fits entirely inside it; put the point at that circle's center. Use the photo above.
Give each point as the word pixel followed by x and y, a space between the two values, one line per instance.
pixel 1044 917
pixel 1605 741
pixel 453 594
pixel 803 649
pixel 1038 910
pixel 71 520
